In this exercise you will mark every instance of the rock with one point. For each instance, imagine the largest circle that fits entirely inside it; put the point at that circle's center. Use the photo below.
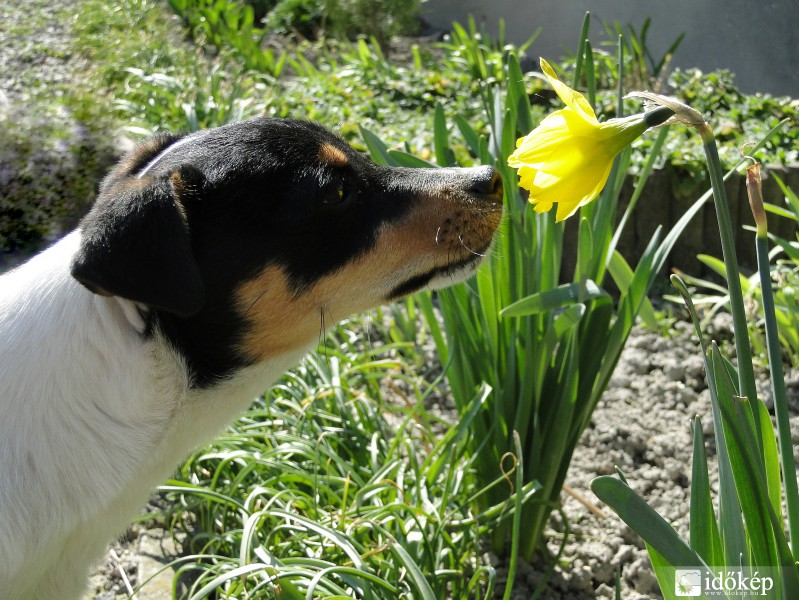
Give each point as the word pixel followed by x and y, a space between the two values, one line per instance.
pixel 623 555
pixel 581 578
pixel 605 591
pixel 156 549
pixel 645 580
pixel 674 371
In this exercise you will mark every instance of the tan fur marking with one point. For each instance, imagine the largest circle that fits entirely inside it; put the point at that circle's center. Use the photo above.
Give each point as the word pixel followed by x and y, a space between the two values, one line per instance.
pixel 180 188
pixel 279 322
pixel 141 154
pixel 331 155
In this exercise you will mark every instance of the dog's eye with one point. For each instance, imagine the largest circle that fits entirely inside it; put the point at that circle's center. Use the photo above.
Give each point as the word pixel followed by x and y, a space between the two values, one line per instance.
pixel 339 196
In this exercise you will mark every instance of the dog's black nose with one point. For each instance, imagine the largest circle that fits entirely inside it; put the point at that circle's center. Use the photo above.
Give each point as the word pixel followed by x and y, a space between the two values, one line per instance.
pixel 486 182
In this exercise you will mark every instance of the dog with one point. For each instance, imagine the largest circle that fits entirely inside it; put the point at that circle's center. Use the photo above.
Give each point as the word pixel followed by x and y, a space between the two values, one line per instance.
pixel 207 266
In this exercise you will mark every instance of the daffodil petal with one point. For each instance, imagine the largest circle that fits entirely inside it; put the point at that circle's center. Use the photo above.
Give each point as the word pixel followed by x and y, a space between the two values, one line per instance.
pixel 544 181
pixel 568 190
pixel 570 158
pixel 557 143
pixel 571 98
pixel 526 177
pixel 571 192
pixel 567 159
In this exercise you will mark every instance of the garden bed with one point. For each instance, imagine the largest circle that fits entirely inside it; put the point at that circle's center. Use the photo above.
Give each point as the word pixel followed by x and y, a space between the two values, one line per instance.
pixel 641 426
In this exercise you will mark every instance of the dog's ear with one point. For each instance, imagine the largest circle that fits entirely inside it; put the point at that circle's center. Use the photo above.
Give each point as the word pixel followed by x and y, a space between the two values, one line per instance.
pixel 135 243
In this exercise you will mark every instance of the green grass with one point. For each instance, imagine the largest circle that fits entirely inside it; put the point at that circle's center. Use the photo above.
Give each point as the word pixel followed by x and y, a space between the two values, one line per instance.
pixel 345 85
pixel 337 482
pixel 156 86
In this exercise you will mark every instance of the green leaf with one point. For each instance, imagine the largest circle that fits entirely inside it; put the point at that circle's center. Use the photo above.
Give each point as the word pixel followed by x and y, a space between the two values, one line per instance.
pixel 585 250
pixel 791 249
pixel 415 574
pixel 720 268
pixel 578 66
pixel 469 134
pixel 771 459
pixel 779 211
pixel 590 75
pixel 747 469
pixel 647 523
pixel 622 275
pixel 558 297
pixel 518 96
pixel 405 159
pixel 237 573
pixel 665 573
pixel 517 516
pixel 704 530
pixel 791 198
pixel 444 155
pixel 377 148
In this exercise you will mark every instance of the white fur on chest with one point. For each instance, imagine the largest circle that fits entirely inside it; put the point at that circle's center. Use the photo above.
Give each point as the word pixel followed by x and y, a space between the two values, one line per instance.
pixel 92 416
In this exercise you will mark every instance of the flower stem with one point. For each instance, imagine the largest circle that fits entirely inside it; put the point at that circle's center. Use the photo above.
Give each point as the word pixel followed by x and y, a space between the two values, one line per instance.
pixel 778 389
pixel 746 373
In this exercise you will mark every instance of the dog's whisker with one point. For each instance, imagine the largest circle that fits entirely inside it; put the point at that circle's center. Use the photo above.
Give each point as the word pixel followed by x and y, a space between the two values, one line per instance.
pixel 438 232
pixel 460 239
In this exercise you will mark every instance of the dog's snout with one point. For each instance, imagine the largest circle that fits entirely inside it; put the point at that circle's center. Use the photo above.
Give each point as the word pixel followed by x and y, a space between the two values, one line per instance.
pixel 486 182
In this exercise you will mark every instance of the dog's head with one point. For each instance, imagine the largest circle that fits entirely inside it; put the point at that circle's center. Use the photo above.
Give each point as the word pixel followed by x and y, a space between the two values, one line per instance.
pixel 240 242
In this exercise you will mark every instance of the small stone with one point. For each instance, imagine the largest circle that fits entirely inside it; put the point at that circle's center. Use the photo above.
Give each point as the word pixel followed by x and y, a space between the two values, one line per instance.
pixel 674 470
pixel 581 577
pixel 605 591
pixel 492 559
pixel 645 581
pixel 674 371
pixel 624 555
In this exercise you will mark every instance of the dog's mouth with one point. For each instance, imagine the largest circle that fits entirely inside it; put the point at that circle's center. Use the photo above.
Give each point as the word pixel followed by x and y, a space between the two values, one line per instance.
pixel 441 276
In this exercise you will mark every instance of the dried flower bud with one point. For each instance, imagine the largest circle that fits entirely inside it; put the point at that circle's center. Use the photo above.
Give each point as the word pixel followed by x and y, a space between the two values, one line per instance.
pixel 682 112
pixel 754 188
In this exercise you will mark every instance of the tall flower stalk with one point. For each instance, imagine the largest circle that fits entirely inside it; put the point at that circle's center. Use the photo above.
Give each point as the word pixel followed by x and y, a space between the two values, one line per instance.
pixel 787 464
pixel 757 471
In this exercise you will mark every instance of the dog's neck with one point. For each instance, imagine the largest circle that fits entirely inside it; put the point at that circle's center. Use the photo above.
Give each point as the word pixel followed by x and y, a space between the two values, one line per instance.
pixel 111 409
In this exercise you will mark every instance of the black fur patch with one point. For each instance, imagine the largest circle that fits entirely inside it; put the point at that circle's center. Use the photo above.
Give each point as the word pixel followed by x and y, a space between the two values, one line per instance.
pixel 135 244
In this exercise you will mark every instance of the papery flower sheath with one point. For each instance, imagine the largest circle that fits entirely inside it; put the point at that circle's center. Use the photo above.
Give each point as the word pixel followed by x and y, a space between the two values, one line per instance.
pixel 566 160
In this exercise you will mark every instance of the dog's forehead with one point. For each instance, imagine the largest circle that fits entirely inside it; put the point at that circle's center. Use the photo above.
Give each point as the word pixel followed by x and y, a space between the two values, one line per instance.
pixel 254 145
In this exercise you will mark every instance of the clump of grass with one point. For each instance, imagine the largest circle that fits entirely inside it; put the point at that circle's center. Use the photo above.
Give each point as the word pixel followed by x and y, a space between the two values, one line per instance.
pixel 325 488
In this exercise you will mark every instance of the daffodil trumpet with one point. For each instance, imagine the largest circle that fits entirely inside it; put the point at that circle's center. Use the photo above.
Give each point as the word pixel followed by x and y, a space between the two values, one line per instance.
pixel 566 160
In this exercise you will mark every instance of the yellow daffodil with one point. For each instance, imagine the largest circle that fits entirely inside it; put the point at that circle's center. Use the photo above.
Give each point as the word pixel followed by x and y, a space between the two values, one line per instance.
pixel 566 160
